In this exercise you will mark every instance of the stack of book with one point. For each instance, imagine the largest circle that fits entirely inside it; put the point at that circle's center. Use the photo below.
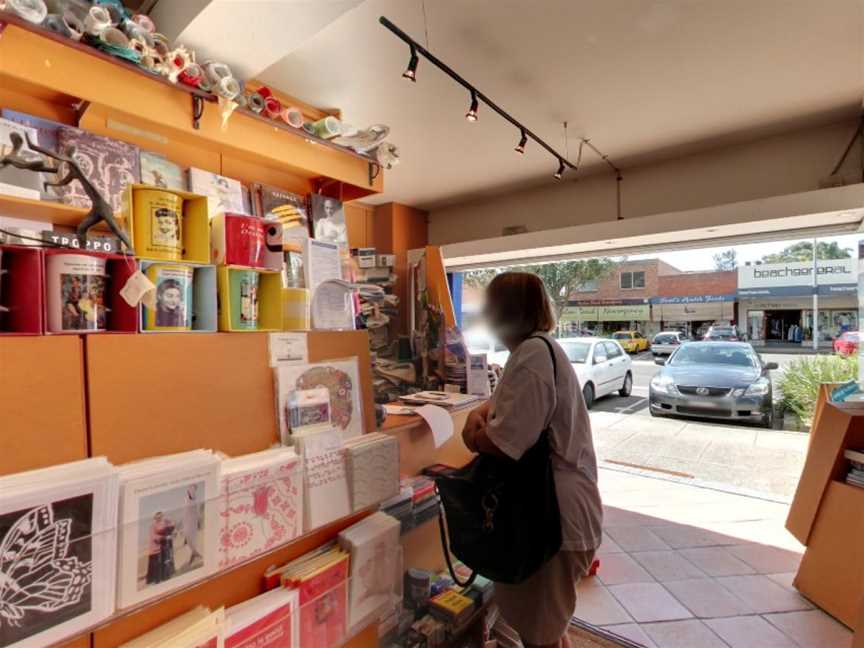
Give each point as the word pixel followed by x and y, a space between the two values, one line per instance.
pixel 447 400
pixel 400 506
pixel 855 476
pixel 321 580
pixel 198 628
pixel 424 500
pixel 372 463
pixel 266 621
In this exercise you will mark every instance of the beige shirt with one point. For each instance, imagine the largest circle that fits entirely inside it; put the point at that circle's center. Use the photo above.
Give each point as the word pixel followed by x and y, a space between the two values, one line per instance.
pixel 526 402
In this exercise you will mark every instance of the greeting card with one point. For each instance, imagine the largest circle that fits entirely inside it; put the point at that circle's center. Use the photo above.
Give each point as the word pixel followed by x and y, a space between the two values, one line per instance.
pixel 260 505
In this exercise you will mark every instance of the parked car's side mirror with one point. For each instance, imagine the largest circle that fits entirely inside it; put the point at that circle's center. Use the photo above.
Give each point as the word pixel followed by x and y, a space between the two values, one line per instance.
pixel 660 361
pixel 771 366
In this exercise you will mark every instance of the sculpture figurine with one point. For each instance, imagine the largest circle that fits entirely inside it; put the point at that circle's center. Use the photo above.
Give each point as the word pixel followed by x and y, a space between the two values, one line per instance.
pixel 100 209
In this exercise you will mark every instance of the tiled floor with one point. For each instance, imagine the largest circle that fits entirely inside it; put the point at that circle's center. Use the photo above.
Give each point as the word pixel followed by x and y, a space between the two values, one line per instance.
pixel 689 567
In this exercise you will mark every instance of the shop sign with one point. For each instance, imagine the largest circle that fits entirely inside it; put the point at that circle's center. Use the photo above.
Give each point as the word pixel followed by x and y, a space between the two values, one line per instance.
pixel 797 274
pixel 611 313
pixel 796 291
pixel 693 312
pixel 693 299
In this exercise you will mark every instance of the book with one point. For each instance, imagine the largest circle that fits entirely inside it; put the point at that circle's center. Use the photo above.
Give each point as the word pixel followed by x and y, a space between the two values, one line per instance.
pixel 197 628
pixel 266 621
pixel 223 194
pixel 159 171
pixel 58 544
pixel 286 207
pixel 372 462
pixel 46 138
pixel 376 566
pixel 260 504
pixel 322 586
pixel 168 524
pixel 307 408
pixel 325 491
pixel 341 378
pixel 452 607
pixel 448 400
pixel 109 164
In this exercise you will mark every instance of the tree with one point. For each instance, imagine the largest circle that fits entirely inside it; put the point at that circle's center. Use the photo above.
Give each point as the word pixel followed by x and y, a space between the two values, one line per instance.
pixel 561 278
pixel 726 260
pixel 803 251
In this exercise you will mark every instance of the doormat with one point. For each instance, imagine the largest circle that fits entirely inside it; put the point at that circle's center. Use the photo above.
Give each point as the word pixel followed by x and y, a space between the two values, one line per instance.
pixel 585 635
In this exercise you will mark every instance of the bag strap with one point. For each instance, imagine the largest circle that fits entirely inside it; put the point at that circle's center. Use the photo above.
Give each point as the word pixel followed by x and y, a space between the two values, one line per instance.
pixel 554 369
pixel 446 550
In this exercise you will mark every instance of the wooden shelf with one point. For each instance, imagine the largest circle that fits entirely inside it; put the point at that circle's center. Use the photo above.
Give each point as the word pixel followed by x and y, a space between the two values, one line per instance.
pixel 44 211
pixel 39 67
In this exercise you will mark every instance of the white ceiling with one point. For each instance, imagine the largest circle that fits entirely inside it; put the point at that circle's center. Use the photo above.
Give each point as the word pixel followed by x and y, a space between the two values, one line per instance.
pixel 644 79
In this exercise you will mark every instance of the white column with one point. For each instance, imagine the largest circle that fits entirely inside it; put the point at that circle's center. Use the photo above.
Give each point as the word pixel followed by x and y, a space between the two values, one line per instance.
pixel 815 300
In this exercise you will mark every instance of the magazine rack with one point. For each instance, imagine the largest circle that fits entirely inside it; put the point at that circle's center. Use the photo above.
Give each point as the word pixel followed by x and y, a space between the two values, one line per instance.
pixel 827 514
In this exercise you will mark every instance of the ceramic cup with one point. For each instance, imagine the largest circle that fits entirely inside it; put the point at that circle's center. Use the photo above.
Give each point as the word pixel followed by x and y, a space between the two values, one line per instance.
pixel 3 309
pixel 245 240
pixel 75 291
pixel 173 310
pixel 244 300
pixel 158 224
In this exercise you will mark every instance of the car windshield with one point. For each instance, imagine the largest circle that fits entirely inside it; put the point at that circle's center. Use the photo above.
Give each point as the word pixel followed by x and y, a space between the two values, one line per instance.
pixel 576 351
pixel 621 336
pixel 664 339
pixel 692 354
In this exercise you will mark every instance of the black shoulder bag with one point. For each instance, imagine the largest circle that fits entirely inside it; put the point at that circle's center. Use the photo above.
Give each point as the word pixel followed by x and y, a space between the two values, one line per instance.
pixel 502 515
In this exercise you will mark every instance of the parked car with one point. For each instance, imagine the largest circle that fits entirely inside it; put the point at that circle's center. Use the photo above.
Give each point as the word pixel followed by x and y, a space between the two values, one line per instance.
pixel 665 342
pixel 481 341
pixel 716 380
pixel 631 341
pixel 722 333
pixel 847 343
pixel 601 365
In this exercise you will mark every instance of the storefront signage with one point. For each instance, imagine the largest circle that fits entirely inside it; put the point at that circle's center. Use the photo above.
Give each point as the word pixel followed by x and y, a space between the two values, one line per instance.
pixel 693 299
pixel 780 275
pixel 796 291
pixel 693 312
pixel 612 313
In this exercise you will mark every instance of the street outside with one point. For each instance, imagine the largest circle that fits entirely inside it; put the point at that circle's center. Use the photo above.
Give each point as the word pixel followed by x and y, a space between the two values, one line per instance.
pixel 747 457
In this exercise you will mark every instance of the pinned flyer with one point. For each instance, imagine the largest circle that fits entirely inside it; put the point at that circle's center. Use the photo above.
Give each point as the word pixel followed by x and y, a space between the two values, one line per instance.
pixel 439 421
pixel 288 348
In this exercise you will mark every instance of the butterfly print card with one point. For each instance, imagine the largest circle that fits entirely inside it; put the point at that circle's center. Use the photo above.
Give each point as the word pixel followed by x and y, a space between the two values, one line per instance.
pixel 57 546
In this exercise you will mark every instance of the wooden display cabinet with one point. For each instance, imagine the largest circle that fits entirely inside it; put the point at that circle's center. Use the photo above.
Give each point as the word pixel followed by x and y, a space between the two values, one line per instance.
pixel 827 514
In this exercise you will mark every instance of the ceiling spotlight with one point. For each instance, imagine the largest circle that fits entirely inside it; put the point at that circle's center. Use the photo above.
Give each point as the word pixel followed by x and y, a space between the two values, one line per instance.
pixel 560 171
pixel 471 115
pixel 520 147
pixel 411 71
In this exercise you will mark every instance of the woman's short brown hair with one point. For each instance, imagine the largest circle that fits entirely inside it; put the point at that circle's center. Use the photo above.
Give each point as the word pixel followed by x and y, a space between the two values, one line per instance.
pixel 520 299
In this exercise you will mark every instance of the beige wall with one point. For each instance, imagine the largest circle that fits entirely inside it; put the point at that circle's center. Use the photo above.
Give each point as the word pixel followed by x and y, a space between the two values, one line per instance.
pixel 784 164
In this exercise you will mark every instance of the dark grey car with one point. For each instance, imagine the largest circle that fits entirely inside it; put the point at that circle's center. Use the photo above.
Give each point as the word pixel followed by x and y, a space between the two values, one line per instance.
pixel 716 380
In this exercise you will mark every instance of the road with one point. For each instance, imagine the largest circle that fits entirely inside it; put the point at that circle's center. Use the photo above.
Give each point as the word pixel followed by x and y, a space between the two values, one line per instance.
pixel 738 455
pixel 644 369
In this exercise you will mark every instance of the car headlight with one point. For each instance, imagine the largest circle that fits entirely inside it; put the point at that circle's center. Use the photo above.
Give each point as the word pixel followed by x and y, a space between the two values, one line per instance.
pixel 663 384
pixel 761 387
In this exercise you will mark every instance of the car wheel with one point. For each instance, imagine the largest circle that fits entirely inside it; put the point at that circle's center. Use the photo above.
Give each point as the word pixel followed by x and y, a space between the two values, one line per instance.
pixel 627 387
pixel 588 395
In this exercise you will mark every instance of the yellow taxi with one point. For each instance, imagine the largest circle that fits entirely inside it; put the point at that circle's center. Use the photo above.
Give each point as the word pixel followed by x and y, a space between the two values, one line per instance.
pixel 632 341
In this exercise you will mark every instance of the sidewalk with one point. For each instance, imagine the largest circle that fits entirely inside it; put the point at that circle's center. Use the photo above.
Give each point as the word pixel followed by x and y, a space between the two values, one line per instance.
pixel 755 459
pixel 689 567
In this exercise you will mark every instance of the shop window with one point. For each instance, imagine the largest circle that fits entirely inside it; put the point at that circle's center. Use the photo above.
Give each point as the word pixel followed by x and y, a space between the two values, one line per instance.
pixel 590 285
pixel 632 280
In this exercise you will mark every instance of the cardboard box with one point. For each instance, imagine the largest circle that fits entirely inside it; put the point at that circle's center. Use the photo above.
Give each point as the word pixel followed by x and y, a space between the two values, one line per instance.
pixel 195 229
pixel 269 295
pixel 21 290
pixel 234 238
pixel 365 257
pixel 205 314
pixel 120 316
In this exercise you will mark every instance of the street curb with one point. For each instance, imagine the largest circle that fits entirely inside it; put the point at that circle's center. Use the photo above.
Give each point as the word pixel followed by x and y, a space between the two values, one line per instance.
pixel 697 483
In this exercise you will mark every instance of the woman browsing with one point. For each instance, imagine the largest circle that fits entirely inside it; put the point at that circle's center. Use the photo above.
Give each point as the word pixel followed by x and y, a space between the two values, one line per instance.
pixel 536 395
